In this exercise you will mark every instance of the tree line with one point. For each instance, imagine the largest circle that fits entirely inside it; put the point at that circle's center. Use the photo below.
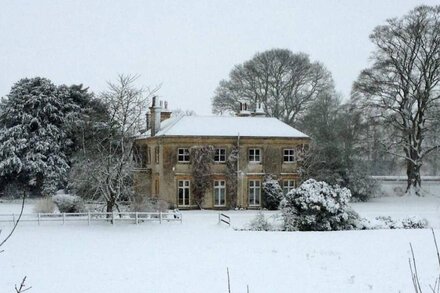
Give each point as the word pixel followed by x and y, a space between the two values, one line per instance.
pixel 391 121
pixel 54 137
pixel 60 136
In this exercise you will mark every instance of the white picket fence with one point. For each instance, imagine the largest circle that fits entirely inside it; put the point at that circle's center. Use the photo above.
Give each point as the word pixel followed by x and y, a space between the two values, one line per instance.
pixel 89 217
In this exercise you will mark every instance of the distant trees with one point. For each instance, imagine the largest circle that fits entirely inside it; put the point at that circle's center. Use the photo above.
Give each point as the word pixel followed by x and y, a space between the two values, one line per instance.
pixel 336 155
pixel 284 82
pixel 402 86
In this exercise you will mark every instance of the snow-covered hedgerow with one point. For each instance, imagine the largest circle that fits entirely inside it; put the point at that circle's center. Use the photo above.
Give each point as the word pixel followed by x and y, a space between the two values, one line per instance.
pixel 69 203
pixel 383 222
pixel 318 206
pixel 273 193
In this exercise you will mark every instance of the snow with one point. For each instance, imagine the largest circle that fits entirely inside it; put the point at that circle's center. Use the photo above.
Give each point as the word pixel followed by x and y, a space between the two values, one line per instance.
pixel 226 126
pixel 193 256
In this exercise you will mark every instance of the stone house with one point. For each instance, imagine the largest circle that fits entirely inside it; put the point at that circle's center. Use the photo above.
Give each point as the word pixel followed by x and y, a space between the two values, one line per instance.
pixel 245 148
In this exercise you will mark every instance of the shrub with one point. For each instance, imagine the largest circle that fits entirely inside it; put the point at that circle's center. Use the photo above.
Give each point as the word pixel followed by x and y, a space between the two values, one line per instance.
pixel 13 190
pixel 69 203
pixel 387 223
pixel 273 193
pixel 146 204
pixel 317 206
pixel 162 206
pixel 414 223
pixel 362 186
pixel 260 223
pixel 44 205
pixel 383 222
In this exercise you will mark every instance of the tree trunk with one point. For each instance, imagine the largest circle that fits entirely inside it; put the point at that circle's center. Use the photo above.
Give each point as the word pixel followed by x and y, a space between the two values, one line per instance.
pixel 110 205
pixel 414 182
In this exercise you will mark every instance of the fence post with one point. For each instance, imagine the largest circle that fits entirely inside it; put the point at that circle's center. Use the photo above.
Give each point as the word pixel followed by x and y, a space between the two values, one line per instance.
pixel 113 218
pixel 160 217
pixel 219 216
pixel 136 216
pixel 64 218
pixel 88 217
pixel 38 218
pixel 13 218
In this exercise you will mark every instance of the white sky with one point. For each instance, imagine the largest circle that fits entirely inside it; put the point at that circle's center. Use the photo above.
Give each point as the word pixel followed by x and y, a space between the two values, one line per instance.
pixel 187 46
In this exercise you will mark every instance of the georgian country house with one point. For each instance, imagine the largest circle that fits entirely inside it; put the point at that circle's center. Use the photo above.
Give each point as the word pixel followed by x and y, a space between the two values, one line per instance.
pixel 244 147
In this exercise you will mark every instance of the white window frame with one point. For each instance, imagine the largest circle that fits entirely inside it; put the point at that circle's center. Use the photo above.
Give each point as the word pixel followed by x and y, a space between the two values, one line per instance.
pixel 288 155
pixel 219 193
pixel 288 185
pixel 254 193
pixel 184 186
pixel 253 157
pixel 183 155
pixel 220 155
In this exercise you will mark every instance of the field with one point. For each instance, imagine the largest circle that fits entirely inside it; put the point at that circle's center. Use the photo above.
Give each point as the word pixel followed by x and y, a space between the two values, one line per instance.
pixel 193 256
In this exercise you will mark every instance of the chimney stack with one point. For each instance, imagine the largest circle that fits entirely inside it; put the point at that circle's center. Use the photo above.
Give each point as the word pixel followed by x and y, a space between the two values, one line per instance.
pixel 259 112
pixel 165 114
pixel 155 111
pixel 147 120
pixel 244 112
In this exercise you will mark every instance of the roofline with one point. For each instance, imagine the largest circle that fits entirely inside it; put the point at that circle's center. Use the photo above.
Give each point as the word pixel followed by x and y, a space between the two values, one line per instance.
pixel 224 137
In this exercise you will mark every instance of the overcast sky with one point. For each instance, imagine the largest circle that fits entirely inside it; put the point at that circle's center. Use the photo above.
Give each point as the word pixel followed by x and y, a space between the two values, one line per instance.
pixel 187 46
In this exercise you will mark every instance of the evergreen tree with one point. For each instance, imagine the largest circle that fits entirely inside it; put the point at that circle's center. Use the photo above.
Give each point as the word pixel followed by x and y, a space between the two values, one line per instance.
pixel 32 135
pixel 273 193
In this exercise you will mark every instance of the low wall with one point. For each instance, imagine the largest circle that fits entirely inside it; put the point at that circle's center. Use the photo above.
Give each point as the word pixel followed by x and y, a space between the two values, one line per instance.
pixel 396 185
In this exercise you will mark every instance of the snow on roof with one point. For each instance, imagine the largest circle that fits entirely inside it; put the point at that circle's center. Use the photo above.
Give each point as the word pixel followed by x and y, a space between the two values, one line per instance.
pixel 226 126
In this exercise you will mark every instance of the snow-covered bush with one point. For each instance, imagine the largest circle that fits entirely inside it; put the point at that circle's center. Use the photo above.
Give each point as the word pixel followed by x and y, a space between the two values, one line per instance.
pixel 383 222
pixel 44 205
pixel 260 223
pixel 67 203
pixel 414 223
pixel 317 206
pixel 273 193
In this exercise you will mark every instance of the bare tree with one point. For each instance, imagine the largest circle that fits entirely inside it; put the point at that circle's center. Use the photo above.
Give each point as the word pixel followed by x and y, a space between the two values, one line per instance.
pixel 402 85
pixel 284 82
pixel 107 164
pixel 15 224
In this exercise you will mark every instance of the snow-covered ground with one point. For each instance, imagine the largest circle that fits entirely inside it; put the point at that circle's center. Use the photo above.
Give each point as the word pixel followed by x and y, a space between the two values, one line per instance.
pixel 193 256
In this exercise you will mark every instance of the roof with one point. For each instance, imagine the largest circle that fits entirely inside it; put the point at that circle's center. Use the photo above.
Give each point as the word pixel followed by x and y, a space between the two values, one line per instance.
pixel 225 126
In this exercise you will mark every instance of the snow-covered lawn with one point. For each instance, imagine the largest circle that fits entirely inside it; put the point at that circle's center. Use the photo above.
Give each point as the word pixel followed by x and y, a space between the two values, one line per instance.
pixel 193 256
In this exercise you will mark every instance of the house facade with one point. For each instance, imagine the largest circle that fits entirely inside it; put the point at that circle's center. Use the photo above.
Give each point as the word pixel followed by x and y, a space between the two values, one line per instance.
pixel 245 148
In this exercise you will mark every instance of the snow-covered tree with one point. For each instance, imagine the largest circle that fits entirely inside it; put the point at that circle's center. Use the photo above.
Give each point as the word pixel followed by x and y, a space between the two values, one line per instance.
pixel 317 206
pixel 104 166
pixel 402 86
pixel 273 193
pixel 32 134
